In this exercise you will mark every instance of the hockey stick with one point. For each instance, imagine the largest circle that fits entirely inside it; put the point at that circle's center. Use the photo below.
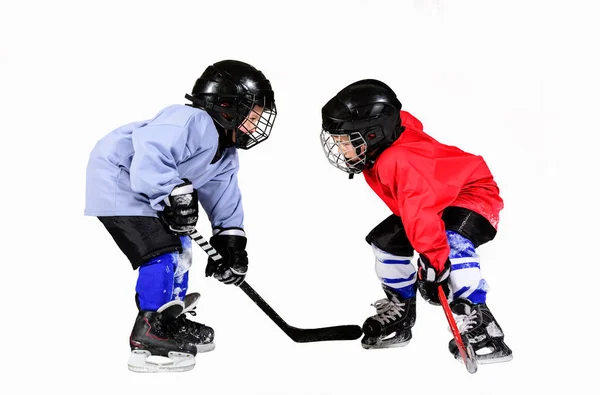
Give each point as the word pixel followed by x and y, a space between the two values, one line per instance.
pixel 341 332
pixel 466 352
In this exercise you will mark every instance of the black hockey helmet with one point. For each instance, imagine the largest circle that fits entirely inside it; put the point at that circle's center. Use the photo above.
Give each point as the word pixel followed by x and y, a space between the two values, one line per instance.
pixel 368 113
pixel 240 100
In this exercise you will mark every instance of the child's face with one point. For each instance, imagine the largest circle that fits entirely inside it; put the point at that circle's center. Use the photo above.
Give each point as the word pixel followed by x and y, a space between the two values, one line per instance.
pixel 347 152
pixel 346 148
pixel 251 122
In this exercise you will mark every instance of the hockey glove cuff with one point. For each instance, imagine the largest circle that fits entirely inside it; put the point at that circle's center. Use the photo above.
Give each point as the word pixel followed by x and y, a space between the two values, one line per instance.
pixel 429 279
pixel 181 209
pixel 231 245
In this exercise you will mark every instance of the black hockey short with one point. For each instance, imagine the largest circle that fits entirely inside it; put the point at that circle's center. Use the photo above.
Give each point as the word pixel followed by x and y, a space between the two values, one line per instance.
pixel 390 235
pixel 141 238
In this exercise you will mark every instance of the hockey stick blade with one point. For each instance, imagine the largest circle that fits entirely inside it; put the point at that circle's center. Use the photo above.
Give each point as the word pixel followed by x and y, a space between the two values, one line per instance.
pixel 342 332
pixel 466 351
pixel 298 335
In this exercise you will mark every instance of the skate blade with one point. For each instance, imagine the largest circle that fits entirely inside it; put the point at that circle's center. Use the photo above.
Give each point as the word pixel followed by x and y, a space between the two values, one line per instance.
pixel 394 342
pixel 200 348
pixel 176 362
pixel 485 360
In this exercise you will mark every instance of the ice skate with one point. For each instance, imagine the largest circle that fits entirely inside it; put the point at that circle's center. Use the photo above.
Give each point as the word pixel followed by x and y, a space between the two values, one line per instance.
pixel 155 344
pixel 478 325
pixel 201 335
pixel 391 326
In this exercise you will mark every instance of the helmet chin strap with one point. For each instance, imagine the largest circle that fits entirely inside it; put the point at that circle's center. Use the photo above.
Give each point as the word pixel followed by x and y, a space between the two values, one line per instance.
pixel 225 141
pixel 359 150
pixel 225 137
pixel 228 138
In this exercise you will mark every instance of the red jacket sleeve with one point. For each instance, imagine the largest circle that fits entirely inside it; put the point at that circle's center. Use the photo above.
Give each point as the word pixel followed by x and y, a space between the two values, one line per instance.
pixel 421 198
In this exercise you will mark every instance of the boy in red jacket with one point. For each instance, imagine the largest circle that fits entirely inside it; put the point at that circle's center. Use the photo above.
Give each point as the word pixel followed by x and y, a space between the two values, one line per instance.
pixel 445 204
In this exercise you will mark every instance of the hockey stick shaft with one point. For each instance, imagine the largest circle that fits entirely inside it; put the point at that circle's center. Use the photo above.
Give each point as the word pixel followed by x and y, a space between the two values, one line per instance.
pixel 469 361
pixel 260 302
pixel 452 323
pixel 248 290
pixel 343 332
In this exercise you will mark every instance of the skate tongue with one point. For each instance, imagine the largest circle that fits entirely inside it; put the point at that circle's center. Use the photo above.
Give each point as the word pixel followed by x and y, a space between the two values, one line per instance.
pixel 171 309
pixel 190 301
pixel 462 307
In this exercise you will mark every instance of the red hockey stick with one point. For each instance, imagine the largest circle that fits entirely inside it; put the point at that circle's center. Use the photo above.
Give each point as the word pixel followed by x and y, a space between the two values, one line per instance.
pixel 466 352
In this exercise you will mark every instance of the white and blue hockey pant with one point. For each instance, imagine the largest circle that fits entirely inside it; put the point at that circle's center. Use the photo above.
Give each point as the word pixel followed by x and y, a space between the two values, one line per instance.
pixel 399 273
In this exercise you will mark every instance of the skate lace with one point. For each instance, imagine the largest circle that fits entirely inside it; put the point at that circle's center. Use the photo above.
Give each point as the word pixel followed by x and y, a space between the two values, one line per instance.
pixel 387 310
pixel 189 326
pixel 466 322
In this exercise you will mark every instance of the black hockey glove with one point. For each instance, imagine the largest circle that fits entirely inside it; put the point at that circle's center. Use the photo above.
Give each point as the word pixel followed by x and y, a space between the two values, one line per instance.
pixel 429 279
pixel 181 210
pixel 231 245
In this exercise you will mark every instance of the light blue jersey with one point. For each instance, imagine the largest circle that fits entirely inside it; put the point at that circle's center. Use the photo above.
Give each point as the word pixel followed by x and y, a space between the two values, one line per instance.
pixel 132 169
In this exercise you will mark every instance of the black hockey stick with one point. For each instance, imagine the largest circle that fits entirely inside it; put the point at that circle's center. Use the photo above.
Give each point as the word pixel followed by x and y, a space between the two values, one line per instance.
pixel 341 332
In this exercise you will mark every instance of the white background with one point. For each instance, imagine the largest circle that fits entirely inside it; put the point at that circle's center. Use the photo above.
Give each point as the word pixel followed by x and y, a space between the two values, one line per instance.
pixel 514 81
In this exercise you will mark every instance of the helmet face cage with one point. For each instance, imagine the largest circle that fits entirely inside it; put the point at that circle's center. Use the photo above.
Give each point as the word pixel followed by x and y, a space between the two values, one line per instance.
pixel 257 118
pixel 336 146
pixel 250 117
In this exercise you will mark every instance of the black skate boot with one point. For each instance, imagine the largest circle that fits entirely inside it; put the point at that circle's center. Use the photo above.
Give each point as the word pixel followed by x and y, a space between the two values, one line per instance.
pixel 390 327
pixel 478 325
pixel 199 334
pixel 155 334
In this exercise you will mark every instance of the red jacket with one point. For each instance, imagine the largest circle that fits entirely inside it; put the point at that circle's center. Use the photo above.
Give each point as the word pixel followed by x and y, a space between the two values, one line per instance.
pixel 417 177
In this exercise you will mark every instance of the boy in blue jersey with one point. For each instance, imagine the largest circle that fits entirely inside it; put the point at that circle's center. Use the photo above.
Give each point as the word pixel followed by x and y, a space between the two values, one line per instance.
pixel 144 182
